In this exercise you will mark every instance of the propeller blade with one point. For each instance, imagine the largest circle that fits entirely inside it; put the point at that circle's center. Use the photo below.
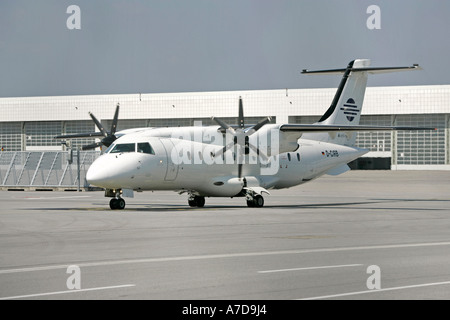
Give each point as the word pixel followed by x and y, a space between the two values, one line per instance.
pixel 79 135
pixel 260 124
pixel 241 123
pixel 223 125
pixel 91 146
pixel 115 120
pixel 99 125
pixel 241 137
pixel 240 152
pixel 225 149
pixel 258 152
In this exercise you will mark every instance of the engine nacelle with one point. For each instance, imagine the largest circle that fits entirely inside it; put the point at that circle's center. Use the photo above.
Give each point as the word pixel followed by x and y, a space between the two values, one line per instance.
pixel 224 187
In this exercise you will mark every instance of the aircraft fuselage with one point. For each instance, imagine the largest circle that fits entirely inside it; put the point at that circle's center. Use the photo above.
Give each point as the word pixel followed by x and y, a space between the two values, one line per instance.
pixel 185 165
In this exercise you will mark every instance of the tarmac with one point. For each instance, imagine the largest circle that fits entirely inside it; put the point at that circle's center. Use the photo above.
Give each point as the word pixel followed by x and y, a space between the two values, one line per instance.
pixel 361 235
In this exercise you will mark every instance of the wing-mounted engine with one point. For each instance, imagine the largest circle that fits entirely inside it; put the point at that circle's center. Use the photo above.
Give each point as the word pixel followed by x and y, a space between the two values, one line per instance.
pixel 225 186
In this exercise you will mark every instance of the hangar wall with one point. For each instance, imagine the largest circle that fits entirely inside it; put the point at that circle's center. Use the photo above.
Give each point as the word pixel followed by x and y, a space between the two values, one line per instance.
pixel 30 123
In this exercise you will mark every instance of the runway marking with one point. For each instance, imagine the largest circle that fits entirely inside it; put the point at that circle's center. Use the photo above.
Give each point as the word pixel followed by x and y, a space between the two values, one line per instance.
pixel 51 198
pixel 311 268
pixel 378 290
pixel 223 256
pixel 67 291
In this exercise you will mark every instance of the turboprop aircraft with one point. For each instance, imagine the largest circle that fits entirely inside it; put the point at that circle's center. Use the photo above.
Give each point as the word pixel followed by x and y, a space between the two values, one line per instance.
pixel 235 161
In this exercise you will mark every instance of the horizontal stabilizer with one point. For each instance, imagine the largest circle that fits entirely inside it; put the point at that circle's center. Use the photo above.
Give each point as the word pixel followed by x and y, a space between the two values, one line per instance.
pixel 366 69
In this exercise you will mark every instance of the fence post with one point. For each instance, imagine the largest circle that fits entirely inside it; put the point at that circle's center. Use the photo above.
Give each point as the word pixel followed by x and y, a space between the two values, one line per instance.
pixel 78 170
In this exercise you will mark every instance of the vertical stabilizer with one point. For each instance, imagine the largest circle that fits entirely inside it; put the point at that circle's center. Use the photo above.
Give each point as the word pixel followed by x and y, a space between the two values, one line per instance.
pixel 346 107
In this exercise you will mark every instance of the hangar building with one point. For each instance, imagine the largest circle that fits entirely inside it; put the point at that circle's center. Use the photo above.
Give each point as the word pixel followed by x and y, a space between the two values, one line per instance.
pixel 30 123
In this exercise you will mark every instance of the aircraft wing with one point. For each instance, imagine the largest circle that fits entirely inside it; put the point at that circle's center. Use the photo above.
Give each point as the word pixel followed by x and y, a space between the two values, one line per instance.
pixel 290 133
pixel 301 128
pixel 79 135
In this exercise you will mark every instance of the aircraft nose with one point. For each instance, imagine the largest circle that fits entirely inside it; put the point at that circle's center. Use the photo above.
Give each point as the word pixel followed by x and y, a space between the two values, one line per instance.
pixel 97 173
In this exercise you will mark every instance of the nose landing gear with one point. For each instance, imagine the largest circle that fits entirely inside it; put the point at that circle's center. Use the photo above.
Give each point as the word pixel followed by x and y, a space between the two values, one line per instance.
pixel 117 204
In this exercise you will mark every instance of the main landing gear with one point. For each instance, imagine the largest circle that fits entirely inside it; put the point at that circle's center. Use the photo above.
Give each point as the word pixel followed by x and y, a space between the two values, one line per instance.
pixel 256 201
pixel 253 200
pixel 196 201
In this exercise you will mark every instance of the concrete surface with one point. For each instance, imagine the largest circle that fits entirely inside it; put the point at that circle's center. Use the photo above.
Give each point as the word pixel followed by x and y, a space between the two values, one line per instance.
pixel 333 238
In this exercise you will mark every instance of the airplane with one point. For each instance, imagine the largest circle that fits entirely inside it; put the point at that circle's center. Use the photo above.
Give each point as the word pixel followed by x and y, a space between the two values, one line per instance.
pixel 235 160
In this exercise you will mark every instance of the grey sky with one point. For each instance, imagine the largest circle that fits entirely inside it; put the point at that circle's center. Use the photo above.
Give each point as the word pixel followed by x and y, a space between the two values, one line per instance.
pixel 210 45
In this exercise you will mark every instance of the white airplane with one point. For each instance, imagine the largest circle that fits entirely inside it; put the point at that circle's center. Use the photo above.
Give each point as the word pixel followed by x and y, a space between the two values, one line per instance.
pixel 235 161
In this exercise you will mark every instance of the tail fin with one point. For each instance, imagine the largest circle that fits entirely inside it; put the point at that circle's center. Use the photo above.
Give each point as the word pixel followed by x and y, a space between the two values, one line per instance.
pixel 347 103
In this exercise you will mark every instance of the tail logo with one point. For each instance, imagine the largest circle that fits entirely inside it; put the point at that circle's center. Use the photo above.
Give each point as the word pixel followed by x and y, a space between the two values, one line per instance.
pixel 350 109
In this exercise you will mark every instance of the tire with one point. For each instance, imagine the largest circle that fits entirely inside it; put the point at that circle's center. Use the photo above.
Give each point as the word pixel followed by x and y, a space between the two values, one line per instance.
pixel 200 201
pixel 120 204
pixel 258 201
pixel 250 203
pixel 117 204
pixel 197 202
pixel 192 203
pixel 113 204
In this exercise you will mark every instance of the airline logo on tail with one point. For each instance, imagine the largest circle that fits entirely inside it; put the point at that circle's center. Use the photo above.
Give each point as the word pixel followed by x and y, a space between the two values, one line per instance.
pixel 350 109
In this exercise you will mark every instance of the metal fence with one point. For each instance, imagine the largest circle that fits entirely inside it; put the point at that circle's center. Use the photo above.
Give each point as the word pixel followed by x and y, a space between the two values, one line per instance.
pixel 46 170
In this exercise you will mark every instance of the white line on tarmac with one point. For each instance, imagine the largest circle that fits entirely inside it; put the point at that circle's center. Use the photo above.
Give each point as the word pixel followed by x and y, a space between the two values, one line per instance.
pixel 52 198
pixel 311 268
pixel 223 256
pixel 378 290
pixel 67 291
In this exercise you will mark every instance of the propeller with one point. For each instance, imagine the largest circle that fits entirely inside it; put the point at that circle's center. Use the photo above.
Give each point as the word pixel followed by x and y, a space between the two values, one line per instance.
pixel 241 137
pixel 108 137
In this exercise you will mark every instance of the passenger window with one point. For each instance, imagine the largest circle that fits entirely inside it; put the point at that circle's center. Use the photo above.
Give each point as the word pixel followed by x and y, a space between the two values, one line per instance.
pixel 289 156
pixel 298 156
pixel 125 147
pixel 145 147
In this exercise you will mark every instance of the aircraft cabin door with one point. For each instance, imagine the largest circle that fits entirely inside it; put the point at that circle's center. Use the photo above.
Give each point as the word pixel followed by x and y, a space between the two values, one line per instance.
pixel 172 168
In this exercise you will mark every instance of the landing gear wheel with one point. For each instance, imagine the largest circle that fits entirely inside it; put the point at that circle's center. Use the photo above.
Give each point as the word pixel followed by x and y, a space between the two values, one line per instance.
pixel 256 202
pixel 117 204
pixel 113 204
pixel 200 201
pixel 197 201
pixel 120 204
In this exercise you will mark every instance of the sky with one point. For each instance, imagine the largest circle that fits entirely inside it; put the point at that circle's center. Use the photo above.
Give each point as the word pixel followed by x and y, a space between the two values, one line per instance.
pixel 163 46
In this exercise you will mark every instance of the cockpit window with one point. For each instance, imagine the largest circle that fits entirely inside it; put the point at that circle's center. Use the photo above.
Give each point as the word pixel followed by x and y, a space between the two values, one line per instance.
pixel 108 150
pixel 142 147
pixel 125 147
pixel 145 147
